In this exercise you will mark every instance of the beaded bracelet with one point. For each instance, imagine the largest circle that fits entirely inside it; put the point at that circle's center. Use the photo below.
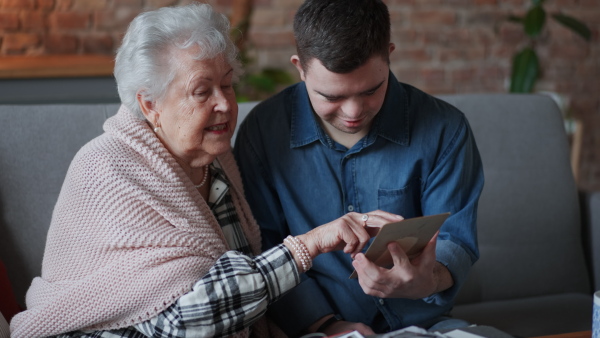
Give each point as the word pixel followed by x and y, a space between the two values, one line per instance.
pixel 301 251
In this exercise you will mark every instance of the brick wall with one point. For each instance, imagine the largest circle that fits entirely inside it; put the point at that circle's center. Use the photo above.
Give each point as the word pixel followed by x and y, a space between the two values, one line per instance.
pixel 442 46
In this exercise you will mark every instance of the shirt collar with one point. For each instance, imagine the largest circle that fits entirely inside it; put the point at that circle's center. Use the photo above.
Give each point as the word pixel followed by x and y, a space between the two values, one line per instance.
pixel 305 128
pixel 219 186
pixel 391 123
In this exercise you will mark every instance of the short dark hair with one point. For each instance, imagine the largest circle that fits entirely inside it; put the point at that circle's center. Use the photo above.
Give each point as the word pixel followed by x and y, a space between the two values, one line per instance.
pixel 342 34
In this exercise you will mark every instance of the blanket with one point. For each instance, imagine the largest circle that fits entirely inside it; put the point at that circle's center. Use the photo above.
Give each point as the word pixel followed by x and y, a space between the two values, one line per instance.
pixel 129 235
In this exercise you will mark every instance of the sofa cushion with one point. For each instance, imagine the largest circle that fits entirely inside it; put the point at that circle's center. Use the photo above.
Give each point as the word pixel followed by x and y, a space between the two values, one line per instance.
pixel 529 226
pixel 532 316
pixel 4 329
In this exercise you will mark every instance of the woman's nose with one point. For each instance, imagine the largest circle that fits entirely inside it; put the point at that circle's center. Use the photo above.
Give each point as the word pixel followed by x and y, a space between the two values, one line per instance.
pixel 222 103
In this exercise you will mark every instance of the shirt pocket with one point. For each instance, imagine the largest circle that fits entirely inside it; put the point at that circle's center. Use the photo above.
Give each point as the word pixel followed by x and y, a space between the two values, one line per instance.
pixel 405 201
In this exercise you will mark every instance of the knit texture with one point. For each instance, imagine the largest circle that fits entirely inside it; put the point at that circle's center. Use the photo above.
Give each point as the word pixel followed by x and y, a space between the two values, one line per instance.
pixel 129 235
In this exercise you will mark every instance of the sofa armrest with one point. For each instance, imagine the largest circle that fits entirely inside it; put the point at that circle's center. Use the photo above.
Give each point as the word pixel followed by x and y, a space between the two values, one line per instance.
pixel 4 328
pixel 590 214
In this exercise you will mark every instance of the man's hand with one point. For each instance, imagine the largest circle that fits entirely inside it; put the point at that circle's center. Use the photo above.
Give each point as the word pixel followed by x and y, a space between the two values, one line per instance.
pixel 408 278
pixel 343 326
pixel 339 327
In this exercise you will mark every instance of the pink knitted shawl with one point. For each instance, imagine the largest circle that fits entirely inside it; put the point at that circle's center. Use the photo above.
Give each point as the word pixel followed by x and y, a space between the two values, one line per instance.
pixel 129 235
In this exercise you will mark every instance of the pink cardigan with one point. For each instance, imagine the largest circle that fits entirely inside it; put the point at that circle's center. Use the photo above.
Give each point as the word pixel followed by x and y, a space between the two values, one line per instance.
pixel 129 235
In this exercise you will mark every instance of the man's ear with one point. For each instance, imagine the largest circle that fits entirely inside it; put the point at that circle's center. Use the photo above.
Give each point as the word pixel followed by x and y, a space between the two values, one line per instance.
pixel 148 107
pixel 392 47
pixel 296 62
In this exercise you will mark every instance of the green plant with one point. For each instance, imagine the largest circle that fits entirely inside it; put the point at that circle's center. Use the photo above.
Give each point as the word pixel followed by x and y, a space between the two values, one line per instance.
pixel 253 85
pixel 260 85
pixel 257 85
pixel 525 64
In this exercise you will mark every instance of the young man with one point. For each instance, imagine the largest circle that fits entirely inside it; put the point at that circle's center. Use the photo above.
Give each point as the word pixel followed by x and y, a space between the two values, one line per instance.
pixel 350 137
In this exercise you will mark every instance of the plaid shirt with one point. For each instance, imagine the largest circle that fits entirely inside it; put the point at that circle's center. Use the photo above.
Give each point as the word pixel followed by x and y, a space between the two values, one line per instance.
pixel 232 295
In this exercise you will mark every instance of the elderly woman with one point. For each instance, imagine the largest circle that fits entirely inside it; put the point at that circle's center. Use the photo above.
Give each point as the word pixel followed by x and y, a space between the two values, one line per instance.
pixel 151 235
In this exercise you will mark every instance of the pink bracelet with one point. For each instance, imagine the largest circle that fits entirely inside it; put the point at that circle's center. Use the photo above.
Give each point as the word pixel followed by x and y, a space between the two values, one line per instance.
pixel 301 251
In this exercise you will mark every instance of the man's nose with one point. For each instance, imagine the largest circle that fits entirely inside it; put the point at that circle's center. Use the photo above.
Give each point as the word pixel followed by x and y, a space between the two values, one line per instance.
pixel 353 107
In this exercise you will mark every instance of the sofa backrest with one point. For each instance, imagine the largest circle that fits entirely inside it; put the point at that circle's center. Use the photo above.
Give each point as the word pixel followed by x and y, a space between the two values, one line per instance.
pixel 37 144
pixel 529 227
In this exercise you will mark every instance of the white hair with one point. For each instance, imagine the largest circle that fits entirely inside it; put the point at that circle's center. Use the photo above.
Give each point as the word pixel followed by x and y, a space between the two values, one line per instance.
pixel 143 61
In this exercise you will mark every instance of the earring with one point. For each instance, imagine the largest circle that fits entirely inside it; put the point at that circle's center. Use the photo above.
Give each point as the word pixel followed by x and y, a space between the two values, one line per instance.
pixel 156 129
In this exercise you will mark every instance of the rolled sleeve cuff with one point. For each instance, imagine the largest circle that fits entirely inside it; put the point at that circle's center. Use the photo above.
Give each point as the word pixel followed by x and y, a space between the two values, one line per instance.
pixel 279 269
pixel 458 262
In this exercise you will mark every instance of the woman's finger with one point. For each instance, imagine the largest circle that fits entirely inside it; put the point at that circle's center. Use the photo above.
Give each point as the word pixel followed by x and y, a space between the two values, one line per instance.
pixel 373 230
pixel 376 219
pixel 384 216
pixel 355 223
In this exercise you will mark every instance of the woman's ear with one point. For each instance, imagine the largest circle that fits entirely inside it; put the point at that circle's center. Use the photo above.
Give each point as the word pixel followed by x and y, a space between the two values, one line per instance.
pixel 148 107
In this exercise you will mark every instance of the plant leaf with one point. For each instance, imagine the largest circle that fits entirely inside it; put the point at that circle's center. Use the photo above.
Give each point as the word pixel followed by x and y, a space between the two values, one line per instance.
pixel 574 25
pixel 537 2
pixel 526 69
pixel 242 98
pixel 534 21
pixel 279 76
pixel 261 83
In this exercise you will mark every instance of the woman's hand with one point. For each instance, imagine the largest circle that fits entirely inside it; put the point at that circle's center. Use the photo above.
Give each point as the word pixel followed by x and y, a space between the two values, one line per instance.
pixel 350 232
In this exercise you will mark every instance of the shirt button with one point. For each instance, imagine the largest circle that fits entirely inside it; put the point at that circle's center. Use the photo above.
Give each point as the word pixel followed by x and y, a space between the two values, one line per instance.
pixel 381 301
pixel 350 207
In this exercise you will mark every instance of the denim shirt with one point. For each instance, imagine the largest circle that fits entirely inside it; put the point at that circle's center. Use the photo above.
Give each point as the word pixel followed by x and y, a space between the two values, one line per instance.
pixel 419 158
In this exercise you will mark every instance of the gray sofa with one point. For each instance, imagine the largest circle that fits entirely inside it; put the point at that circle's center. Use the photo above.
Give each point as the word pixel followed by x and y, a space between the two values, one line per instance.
pixel 537 265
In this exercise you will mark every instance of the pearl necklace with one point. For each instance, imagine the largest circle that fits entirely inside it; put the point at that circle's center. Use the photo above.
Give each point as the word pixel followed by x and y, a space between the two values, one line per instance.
pixel 204 179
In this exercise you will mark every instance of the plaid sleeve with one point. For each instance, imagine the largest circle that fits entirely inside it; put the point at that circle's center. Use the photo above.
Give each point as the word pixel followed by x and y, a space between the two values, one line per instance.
pixel 230 297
